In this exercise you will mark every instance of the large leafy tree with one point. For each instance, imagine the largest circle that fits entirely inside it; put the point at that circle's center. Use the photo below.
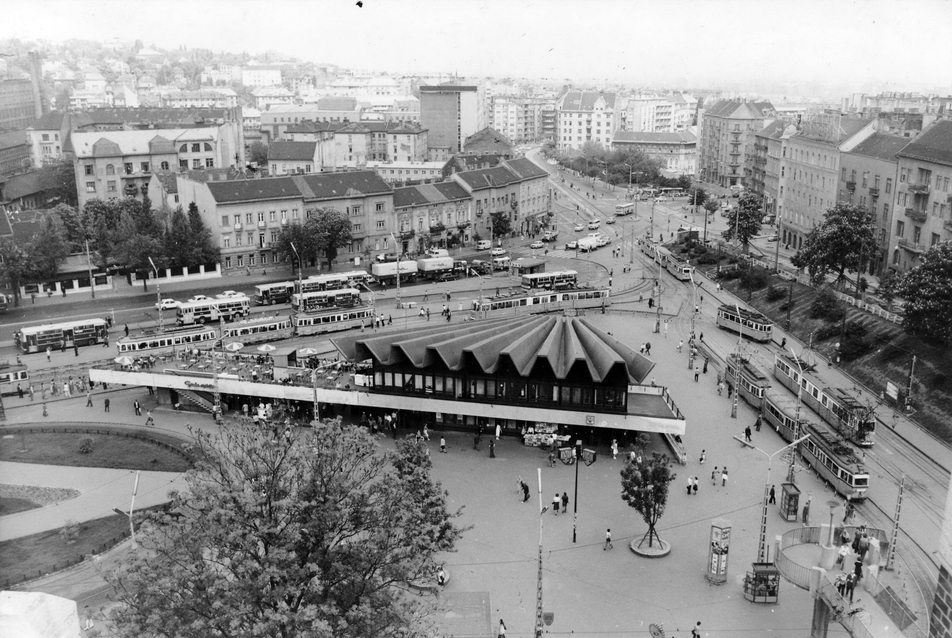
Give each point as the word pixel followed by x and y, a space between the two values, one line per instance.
pixel 16 266
pixel 37 258
pixel 302 239
pixel 332 231
pixel 178 239
pixel 204 249
pixel 58 180
pixel 258 153
pixel 846 236
pixel 502 225
pixel 100 219
pixel 746 221
pixel 698 197
pixel 927 291
pixel 314 534
pixel 645 488
pixel 139 237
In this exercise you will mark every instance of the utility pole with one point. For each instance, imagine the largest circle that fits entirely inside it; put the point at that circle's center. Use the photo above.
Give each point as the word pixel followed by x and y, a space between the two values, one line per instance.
pixel 776 261
pixel 895 530
pixel 89 266
pixel 912 371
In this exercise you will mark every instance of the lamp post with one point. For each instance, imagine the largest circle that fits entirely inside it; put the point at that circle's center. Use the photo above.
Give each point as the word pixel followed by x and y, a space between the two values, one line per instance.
pixel 796 426
pixel 373 303
pixel 657 327
pixel 300 276
pixel 158 295
pixel 693 316
pixel 740 337
pixel 578 457
pixel 396 248
pixel 538 620
pixel 762 542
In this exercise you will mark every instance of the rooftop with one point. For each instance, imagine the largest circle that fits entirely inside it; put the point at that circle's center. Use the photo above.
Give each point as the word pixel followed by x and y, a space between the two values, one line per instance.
pixel 881 146
pixel 318 186
pixel 138 142
pixel 585 100
pixel 292 151
pixel 426 194
pixel 643 137
pixel 934 144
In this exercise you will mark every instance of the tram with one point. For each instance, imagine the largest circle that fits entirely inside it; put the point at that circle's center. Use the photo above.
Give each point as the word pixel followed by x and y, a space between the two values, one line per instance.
pixel 747 323
pixel 166 340
pixel 679 268
pixel 11 375
pixel 548 301
pixel 332 320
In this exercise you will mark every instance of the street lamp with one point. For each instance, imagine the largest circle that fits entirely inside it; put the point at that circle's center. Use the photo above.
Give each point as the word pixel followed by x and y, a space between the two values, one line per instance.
pixel 762 543
pixel 693 316
pixel 740 337
pixel 373 303
pixel 158 295
pixel 300 276
pixel 657 327
pixel 578 456
pixel 796 426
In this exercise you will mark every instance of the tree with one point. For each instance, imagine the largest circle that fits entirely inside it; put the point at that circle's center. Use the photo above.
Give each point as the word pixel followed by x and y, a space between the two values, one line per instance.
pixel 888 284
pixel 710 206
pixel 138 237
pixel 178 239
pixel 204 249
pixel 746 221
pixel 331 230
pixel 16 266
pixel 300 236
pixel 927 290
pixel 697 196
pixel 846 236
pixel 58 180
pixel 501 223
pixel 313 534
pixel 645 488
pixel 48 249
pixel 258 153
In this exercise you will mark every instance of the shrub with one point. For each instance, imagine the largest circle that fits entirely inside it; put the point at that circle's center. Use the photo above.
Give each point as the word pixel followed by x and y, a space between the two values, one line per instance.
pixel 730 274
pixel 855 342
pixel 788 305
pixel 707 260
pixel 826 306
pixel 69 532
pixel 755 278
pixel 86 445
pixel 776 293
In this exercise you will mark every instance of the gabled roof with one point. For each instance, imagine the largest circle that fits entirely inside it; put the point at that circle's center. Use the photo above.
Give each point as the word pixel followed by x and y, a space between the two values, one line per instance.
pixel 307 126
pixel 330 103
pixel 488 178
pixel 168 180
pixel 426 194
pixel 934 144
pixel 292 151
pixel 22 185
pixel 773 130
pixel 738 110
pixel 250 190
pixel 585 100
pixel 12 139
pixel 338 185
pixel 52 121
pixel 525 168
pixel 488 138
pixel 536 345
pixel 881 146
pixel 644 137
pixel 138 142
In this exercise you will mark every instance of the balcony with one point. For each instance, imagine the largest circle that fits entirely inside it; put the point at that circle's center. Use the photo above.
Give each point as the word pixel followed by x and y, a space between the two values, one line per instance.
pixel 851 186
pixel 912 247
pixel 874 192
pixel 238 226
pixel 918 189
pixel 916 215
pixel 262 225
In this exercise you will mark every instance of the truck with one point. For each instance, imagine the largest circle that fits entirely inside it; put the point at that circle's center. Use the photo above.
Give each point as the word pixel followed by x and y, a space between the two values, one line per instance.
pixel 386 273
pixel 550 235
pixel 587 244
pixel 433 267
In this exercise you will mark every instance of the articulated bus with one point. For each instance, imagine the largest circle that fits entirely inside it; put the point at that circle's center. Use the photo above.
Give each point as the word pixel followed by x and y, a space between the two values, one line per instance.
pixel 317 301
pixel 556 280
pixel 318 283
pixel 355 277
pixel 11 375
pixel 748 323
pixel 277 292
pixel 679 268
pixel 212 310
pixel 86 332
pixel 624 209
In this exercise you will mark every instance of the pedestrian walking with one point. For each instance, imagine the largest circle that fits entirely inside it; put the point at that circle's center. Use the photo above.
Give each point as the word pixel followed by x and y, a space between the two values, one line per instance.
pixel 502 629
pixel 137 408
pixel 31 392
pixel 714 476
pixel 565 502
pixel 89 399
pixel 126 329
pixel 747 434
pixel 706 361
pixel 426 433
pixel 697 373
pixel 614 448
pixel 848 513
pixel 498 431
pixel 476 442
pixel 665 328
pixel 525 490
pixel 694 486
pixel 720 388
pixel 724 477
pixel 19 392
pixel 850 586
pixel 858 570
pixel 680 345
pixel 149 421
pixel 648 348
pixel 696 632
pixel 556 501
pixel 105 404
pixel 703 456
pixel 608 540
pixel 48 351
pixel 45 413
pixel 551 458
pixel 773 495
pixel 730 390
pixel 492 449
pixel 690 484
pixel 442 444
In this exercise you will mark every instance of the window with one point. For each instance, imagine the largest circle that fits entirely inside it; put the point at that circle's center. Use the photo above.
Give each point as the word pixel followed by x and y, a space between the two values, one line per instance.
pixel 935 239
pixel 900 229
pixel 901 200
pixel 224 220
pixel 227 262
pixel 945 185
pixel 209 162
pixel 251 239
pixel 261 216
pixel 88 168
pixel 183 163
pixel 164 166
pixel 197 164
pixel 226 242
pixel 888 185
pixel 876 182
pixel 843 174
pixel 208 147
pixel 196 148
pixel 46 137
pixel 248 218
pixel 356 228
pixel 271 215
pixel 110 169
pixel 237 239
pixel 251 259
pixel 90 187
pixel 381 224
pixel 111 186
pixel 241 261
pixel 145 167
pixel 902 175
pixel 183 148
pixel 294 213
pixel 916 234
pixel 274 236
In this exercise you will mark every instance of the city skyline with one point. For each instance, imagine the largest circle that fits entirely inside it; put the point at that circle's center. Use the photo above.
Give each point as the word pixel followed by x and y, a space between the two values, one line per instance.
pixel 714 44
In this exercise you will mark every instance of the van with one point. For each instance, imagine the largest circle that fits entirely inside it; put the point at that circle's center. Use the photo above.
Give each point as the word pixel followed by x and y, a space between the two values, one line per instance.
pixel 594 225
pixel 484 244
pixel 501 263
pixel 437 252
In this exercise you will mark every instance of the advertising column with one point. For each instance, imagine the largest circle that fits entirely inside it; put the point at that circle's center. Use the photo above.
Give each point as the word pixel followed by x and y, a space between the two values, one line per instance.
pixel 718 551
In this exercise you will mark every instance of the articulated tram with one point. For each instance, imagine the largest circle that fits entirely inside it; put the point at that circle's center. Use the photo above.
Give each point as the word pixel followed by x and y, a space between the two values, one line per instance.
pixel 547 301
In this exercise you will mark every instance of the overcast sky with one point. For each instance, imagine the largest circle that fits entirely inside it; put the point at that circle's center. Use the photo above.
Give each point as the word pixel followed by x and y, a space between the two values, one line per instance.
pixel 751 44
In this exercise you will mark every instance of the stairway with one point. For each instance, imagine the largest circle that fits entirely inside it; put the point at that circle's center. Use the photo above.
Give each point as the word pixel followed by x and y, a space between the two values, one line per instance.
pixel 196 399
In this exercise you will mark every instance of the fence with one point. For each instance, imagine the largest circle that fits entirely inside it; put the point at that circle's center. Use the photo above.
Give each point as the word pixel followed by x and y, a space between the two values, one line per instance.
pixel 890 602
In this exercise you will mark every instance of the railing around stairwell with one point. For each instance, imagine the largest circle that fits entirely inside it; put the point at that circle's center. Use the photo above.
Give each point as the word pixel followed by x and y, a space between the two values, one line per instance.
pixel 197 400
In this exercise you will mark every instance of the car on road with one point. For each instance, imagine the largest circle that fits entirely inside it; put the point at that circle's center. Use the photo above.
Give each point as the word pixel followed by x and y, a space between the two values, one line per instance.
pixel 536 245
pixel 773 238
pixel 167 304
pixel 497 252
pixel 594 225
pixel 227 294
pixel 660 198
pixel 579 228
pixel 610 220
pixel 448 276
pixel 571 245
pixel 198 298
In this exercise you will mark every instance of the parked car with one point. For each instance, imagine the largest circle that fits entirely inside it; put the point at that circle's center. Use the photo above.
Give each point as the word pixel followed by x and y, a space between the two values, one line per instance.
pixel 448 276
pixel 579 228
pixel 167 304
pixel 773 238
pixel 571 245
pixel 536 245
pixel 198 298
pixel 227 294
pixel 660 198
pixel 496 252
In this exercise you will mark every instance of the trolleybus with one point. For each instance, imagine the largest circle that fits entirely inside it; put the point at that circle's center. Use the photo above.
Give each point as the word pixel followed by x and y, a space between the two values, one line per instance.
pixel 85 332
pixel 277 292
pixel 208 310
pixel 316 301
pixel 557 280
pixel 624 209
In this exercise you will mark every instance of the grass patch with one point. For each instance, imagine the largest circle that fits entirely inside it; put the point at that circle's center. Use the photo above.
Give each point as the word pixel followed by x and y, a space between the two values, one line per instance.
pixel 33 556
pixel 14 505
pixel 106 450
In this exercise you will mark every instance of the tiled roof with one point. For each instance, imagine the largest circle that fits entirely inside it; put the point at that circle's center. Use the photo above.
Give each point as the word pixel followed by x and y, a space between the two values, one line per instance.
pixel 932 145
pixel 585 100
pixel 21 185
pixel 307 126
pixel 525 168
pixel 642 137
pixel 169 181
pixel 773 130
pixel 467 162
pixel 292 151
pixel 737 110
pixel 344 184
pixel 852 125
pixel 446 87
pixel 5 229
pixel 488 178
pixel 139 142
pixel 487 135
pixel 52 121
pixel 330 103
pixel 249 190
pixel 165 116
pixel 425 194
pixel 881 146
pixel 12 139
pixel 532 346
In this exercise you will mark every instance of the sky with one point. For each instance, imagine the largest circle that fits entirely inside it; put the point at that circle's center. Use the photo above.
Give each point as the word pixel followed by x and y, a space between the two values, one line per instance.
pixel 833 46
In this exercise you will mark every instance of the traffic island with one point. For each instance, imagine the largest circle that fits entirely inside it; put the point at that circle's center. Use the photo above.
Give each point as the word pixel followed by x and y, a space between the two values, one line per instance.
pixel 657 549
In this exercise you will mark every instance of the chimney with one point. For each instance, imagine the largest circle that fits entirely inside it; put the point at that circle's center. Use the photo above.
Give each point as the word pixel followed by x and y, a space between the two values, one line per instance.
pixel 35 75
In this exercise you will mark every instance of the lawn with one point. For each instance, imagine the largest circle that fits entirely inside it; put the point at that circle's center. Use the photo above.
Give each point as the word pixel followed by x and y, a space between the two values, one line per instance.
pixel 107 450
pixel 39 554
pixel 14 505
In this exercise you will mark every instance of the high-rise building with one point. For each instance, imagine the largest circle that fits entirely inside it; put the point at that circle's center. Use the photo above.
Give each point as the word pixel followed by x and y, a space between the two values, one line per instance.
pixel 726 139
pixel 451 114
pixel 17 105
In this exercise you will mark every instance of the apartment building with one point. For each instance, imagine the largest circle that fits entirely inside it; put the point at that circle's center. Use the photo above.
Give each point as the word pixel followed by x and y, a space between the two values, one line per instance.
pixel 286 158
pixel 18 108
pixel 726 139
pixel 519 117
pixel 48 136
pixel 517 188
pixel 810 171
pixel 585 116
pixel 868 177
pixel 649 115
pixel 766 164
pixel 206 98
pixel 431 215
pixel 677 152
pixel 261 76
pixel 276 120
pixel 921 213
pixel 450 113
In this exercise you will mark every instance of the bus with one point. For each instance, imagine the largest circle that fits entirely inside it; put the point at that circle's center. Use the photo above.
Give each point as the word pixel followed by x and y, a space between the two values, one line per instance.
pixel 85 332
pixel 333 320
pixel 317 301
pixel 12 375
pixel 747 323
pixel 624 209
pixel 557 280
pixel 166 340
pixel 212 310
pixel 317 283
pixel 678 267
pixel 355 277
pixel 672 192
pixel 277 292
